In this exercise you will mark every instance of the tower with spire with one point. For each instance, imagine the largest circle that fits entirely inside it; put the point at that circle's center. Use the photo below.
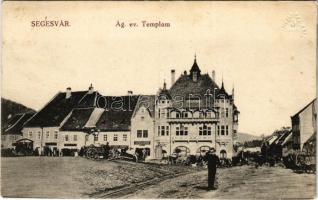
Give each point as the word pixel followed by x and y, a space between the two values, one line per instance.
pixel 195 71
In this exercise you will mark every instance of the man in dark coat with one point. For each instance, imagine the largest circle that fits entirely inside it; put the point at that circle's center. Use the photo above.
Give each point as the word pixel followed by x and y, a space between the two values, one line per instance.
pixel 213 161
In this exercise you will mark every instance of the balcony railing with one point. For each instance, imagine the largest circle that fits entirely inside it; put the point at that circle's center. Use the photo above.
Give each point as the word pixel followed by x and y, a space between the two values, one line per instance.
pixel 193 138
pixel 203 120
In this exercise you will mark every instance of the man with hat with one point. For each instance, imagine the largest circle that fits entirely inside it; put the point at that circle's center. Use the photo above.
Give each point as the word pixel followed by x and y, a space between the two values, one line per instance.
pixel 213 160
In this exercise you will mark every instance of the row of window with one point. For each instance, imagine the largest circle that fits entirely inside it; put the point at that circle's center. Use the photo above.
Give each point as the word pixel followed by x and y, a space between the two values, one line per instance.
pixel 105 137
pixel 10 137
pixel 187 115
pixel 196 101
pixel 205 130
pixel 223 130
pixel 142 133
pixel 163 130
pixel 39 133
pixel 67 138
pixel 164 114
pixel 182 130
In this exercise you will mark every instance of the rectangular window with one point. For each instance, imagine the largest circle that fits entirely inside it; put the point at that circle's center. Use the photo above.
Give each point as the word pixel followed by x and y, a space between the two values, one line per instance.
pixel 177 115
pixel 177 131
pixel 209 130
pixel 158 130
pixel 185 130
pixel 47 134
pixel 145 133
pixel 95 137
pixel 115 137
pixel 227 130
pixel 75 137
pixel 182 130
pixel 30 134
pixel 139 133
pixel 125 137
pixel 204 130
pixel 55 135
pixel 66 137
pixel 185 115
pixel 162 130
pixel 218 130
pixel 39 135
pixel 222 130
pixel 200 131
pixel 227 112
pixel 167 130
pixel 105 137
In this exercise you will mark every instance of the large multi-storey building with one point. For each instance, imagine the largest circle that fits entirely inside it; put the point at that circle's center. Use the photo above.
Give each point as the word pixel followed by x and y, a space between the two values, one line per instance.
pixel 195 115
pixel 190 117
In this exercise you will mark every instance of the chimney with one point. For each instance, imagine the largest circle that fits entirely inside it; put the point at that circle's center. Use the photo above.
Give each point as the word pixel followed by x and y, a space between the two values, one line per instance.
pixel 130 92
pixel 173 76
pixel 90 89
pixel 213 75
pixel 68 93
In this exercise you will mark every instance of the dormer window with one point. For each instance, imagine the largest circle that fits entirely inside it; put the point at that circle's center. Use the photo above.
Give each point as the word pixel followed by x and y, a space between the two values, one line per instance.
pixel 195 76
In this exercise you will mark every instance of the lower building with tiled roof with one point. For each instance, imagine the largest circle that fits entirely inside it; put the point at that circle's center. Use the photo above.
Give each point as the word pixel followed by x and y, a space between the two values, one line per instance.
pixel 13 131
pixel 43 128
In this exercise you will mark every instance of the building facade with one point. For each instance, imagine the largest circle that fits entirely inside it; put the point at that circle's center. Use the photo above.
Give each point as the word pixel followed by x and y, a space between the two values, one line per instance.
pixel 194 115
pixel 13 132
pixel 189 118
pixel 304 125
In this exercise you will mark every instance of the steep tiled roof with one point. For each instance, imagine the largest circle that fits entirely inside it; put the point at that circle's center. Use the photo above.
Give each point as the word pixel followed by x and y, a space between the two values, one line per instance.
pixel 59 107
pixel 186 88
pixel 88 100
pixel 16 123
pixel 117 116
pixel 222 93
pixel 147 101
pixel 77 119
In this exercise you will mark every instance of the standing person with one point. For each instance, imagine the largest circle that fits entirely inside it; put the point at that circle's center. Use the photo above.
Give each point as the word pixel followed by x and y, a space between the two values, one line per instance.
pixel 144 154
pixel 213 160
pixel 107 148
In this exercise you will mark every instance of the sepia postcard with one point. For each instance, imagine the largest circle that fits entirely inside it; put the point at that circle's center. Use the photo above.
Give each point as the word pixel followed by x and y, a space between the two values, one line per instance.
pixel 159 99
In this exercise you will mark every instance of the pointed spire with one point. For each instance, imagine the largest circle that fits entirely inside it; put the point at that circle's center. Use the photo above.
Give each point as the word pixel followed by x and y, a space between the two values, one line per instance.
pixel 195 68
pixel 233 91
pixel 222 81
pixel 164 84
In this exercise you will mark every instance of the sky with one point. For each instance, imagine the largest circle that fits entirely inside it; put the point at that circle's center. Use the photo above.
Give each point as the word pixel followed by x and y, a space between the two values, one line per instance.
pixel 266 50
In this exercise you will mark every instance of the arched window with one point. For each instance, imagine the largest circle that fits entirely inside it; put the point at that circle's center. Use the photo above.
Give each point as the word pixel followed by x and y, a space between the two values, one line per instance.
pixel 223 154
pixel 182 150
pixel 203 150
